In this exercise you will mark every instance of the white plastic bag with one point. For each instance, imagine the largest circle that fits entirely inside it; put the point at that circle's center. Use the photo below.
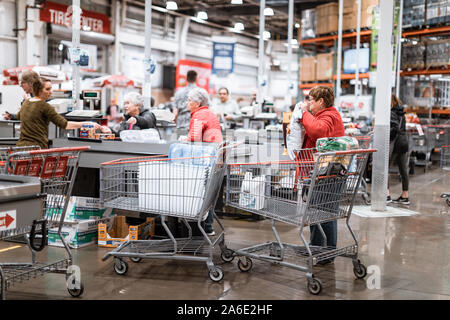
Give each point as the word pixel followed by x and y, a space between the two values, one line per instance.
pixel 141 136
pixel 252 191
pixel 294 139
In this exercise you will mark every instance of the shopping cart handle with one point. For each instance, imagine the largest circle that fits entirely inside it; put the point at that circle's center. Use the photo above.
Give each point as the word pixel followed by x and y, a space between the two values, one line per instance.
pixel 55 150
pixel 43 233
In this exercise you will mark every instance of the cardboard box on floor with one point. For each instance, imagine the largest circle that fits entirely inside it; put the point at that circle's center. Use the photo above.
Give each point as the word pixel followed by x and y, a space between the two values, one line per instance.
pixel 111 235
pixel 76 234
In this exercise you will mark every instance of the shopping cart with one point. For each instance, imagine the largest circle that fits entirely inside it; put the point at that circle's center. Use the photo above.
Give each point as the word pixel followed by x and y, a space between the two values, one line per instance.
pixel 185 188
pixel 445 165
pixel 56 169
pixel 6 151
pixel 420 144
pixel 365 142
pixel 318 188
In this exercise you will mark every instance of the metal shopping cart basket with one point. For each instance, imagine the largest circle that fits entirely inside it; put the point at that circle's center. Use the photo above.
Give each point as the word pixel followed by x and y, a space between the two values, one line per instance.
pixel 421 143
pixel 56 170
pixel 445 165
pixel 317 188
pixel 365 142
pixel 186 188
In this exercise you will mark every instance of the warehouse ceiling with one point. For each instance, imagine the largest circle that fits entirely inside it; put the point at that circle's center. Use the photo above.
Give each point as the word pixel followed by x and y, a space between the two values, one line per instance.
pixel 222 12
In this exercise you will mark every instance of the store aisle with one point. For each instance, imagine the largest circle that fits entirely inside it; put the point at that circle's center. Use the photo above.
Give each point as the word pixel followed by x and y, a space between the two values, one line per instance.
pixel 410 252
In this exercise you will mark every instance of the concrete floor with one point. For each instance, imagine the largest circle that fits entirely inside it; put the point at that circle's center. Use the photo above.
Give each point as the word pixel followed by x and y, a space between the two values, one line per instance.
pixel 412 254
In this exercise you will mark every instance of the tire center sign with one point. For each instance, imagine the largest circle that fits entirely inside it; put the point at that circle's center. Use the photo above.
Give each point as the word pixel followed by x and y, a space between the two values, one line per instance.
pixel 60 14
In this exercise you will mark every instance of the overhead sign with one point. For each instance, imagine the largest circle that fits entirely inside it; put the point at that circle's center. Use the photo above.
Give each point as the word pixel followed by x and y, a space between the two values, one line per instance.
pixel 203 73
pixel 223 56
pixel 7 220
pixel 61 14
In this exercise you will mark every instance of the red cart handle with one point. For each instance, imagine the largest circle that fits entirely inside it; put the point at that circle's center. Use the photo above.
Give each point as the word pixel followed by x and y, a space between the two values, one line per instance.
pixel 60 150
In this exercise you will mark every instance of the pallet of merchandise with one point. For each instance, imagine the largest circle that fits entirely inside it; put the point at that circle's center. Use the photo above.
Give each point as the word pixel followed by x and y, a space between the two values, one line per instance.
pixel 327 18
pixel 307 69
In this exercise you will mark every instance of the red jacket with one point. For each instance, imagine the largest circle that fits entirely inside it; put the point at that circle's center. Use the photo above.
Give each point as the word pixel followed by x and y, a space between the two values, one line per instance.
pixel 204 126
pixel 325 123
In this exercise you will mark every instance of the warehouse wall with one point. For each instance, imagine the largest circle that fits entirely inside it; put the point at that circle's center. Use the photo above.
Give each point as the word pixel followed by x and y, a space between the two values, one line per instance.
pixel 8 40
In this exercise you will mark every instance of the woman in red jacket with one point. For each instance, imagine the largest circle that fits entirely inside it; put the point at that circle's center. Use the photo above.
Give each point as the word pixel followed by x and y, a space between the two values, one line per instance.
pixel 322 121
pixel 204 127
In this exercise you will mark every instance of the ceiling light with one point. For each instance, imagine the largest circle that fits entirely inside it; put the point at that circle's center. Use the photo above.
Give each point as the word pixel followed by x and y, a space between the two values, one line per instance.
pixel 236 1
pixel 297 25
pixel 202 15
pixel 239 26
pixel 266 35
pixel 268 12
pixel 171 5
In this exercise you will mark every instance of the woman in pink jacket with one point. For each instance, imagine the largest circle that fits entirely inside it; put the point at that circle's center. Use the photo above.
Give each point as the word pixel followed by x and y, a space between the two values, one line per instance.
pixel 204 125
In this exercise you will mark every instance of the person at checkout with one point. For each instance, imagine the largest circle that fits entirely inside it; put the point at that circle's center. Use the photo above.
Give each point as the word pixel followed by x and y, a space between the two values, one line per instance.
pixel 35 115
pixel 26 83
pixel 226 109
pixel 136 117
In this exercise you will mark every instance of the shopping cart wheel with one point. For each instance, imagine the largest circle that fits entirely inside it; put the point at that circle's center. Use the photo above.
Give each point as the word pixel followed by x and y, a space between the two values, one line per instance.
pixel 227 255
pixel 366 198
pixel 136 259
pixel 120 266
pixel 314 286
pixel 244 267
pixel 76 292
pixel 360 271
pixel 216 275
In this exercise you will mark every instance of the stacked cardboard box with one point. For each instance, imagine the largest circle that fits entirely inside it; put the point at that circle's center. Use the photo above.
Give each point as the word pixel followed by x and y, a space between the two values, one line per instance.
pixel 324 66
pixel 437 53
pixel 80 224
pixel 350 16
pixel 437 11
pixel 308 69
pixel 327 18
pixel 77 235
pixel 115 231
pixel 413 13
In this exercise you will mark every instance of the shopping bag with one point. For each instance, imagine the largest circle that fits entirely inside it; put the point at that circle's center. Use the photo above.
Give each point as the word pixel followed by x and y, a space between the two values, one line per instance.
pixel 252 191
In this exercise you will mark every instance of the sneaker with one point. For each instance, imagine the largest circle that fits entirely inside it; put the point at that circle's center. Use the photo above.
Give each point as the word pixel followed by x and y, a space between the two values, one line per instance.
pixel 388 199
pixel 325 262
pixel 402 200
pixel 210 232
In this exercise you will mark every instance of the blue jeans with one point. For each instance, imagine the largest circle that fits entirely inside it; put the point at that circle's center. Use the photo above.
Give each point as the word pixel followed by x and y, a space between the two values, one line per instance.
pixel 209 221
pixel 330 230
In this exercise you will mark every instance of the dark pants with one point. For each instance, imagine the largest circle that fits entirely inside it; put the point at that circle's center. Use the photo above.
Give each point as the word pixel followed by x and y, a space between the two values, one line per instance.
pixel 330 230
pixel 401 160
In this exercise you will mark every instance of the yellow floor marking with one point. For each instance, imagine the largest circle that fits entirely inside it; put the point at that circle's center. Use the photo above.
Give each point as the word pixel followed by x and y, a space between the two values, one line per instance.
pixel 10 248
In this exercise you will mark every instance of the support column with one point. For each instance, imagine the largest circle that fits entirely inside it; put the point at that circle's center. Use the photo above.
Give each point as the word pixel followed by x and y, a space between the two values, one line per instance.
pixel 399 50
pixel 116 69
pixel 382 109
pixel 147 88
pixel 339 51
pixel 289 52
pixel 181 32
pixel 76 22
pixel 262 22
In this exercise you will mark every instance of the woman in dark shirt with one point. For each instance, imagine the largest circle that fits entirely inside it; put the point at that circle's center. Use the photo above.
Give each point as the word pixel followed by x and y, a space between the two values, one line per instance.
pixel 35 115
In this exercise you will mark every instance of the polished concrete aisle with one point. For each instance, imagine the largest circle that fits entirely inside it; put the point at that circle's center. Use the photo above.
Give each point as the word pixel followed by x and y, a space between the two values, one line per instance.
pixel 412 254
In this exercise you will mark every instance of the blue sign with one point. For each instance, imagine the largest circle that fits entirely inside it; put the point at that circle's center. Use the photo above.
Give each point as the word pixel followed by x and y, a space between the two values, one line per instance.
pixel 223 58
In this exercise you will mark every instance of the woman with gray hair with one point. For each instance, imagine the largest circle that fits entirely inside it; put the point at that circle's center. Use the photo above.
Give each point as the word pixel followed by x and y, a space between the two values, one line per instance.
pixel 136 117
pixel 204 125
